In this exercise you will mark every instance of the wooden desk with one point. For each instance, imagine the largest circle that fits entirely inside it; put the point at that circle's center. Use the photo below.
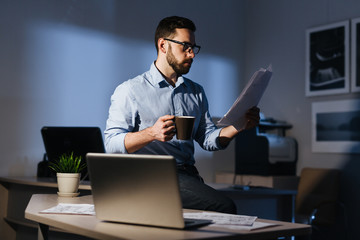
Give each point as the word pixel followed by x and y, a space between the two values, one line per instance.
pixel 90 226
pixel 15 193
pixel 268 203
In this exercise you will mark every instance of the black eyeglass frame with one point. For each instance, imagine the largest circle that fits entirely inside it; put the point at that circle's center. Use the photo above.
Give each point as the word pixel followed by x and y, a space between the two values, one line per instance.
pixel 194 48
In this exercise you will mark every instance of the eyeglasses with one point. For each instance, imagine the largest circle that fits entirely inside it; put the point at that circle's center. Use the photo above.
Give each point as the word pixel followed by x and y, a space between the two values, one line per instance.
pixel 187 46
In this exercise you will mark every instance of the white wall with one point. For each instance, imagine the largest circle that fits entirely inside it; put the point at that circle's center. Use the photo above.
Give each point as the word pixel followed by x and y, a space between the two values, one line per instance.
pixel 278 37
pixel 275 33
pixel 60 62
pixel 280 40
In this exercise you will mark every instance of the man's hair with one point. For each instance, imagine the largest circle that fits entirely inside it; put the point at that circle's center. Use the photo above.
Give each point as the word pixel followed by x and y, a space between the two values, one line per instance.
pixel 168 25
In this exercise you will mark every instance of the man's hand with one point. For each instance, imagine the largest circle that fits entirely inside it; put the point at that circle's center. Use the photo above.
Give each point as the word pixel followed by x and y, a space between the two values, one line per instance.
pixel 253 117
pixel 164 128
pixel 228 133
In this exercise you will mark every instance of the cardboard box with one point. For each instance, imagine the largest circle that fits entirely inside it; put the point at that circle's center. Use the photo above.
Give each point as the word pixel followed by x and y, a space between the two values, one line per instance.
pixel 279 182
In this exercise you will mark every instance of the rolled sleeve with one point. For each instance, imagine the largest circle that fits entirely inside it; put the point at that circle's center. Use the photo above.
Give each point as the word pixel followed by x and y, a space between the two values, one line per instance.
pixel 217 141
pixel 115 143
pixel 120 120
pixel 207 132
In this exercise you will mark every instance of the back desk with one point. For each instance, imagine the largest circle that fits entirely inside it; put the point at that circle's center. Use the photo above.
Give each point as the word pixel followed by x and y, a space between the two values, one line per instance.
pixel 15 194
pixel 90 226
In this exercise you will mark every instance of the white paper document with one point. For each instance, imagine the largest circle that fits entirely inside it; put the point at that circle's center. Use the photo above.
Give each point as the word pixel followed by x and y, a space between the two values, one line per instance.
pixel 223 218
pixel 248 98
pixel 231 221
pixel 77 209
pixel 256 225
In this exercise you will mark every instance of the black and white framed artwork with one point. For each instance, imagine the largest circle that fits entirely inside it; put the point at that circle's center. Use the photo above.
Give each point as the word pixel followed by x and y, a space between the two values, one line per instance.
pixel 355 55
pixel 336 126
pixel 327 59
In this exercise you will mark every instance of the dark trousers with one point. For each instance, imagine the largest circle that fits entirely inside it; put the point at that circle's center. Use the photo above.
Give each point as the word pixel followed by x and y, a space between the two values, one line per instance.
pixel 195 194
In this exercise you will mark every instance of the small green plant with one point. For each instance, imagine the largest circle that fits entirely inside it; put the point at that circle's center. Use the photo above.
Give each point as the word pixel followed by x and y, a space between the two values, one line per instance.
pixel 68 163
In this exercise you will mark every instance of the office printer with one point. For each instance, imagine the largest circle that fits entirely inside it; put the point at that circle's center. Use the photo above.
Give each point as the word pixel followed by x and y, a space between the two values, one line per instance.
pixel 258 152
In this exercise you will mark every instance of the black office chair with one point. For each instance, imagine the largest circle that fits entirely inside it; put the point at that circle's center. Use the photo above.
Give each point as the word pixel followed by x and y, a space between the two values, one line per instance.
pixel 317 201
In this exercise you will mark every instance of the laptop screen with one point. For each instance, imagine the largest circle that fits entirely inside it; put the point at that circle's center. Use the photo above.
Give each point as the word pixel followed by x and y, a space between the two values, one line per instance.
pixel 76 140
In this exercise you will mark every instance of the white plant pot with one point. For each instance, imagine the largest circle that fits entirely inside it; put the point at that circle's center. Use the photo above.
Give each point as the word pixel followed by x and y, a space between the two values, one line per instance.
pixel 68 184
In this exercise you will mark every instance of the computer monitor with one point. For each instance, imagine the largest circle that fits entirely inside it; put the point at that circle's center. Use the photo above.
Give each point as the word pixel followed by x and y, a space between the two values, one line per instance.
pixel 76 140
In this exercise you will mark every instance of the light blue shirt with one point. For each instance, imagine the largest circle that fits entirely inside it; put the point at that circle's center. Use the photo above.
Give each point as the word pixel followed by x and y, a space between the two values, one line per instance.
pixel 137 103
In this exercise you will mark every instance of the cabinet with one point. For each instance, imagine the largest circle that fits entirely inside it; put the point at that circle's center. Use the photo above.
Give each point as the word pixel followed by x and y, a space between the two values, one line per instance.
pixel 15 193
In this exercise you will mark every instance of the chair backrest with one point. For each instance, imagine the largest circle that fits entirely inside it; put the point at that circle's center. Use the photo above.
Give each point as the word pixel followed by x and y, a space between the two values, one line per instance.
pixel 318 190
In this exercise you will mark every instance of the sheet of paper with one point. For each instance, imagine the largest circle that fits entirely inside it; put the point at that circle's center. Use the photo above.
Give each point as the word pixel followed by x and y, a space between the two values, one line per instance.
pixel 66 208
pixel 256 225
pixel 249 97
pixel 223 218
pixel 230 221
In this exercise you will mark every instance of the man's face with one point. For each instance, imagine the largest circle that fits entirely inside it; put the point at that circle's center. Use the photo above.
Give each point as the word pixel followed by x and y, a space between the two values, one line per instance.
pixel 177 58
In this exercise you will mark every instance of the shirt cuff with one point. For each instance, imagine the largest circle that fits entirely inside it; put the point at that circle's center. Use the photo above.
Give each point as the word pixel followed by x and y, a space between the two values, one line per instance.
pixel 217 141
pixel 116 144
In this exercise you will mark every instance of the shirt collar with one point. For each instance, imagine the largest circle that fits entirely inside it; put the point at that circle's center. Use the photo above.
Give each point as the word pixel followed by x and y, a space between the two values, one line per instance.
pixel 157 79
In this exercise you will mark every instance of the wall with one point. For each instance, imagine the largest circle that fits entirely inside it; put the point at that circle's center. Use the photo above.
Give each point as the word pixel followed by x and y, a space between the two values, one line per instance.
pixel 275 33
pixel 60 62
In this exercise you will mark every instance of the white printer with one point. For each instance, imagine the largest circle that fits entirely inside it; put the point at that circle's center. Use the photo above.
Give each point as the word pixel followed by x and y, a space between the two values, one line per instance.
pixel 281 148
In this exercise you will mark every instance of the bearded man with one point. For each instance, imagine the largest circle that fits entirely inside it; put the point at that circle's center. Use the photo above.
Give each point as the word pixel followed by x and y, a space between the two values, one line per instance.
pixel 142 112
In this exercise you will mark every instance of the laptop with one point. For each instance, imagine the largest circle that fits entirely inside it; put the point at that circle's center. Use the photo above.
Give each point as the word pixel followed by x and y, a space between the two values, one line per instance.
pixel 138 189
pixel 76 140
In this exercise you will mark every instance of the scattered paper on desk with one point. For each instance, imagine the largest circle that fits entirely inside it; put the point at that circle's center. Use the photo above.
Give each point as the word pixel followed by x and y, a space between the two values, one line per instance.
pixel 223 218
pixel 256 225
pixel 230 221
pixel 248 98
pixel 77 209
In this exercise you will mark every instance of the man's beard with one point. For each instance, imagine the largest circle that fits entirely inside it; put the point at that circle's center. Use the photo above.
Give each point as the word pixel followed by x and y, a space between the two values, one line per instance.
pixel 179 68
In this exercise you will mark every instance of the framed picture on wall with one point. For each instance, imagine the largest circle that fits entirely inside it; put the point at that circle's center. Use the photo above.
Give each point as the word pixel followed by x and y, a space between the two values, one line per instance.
pixel 355 55
pixel 327 59
pixel 336 126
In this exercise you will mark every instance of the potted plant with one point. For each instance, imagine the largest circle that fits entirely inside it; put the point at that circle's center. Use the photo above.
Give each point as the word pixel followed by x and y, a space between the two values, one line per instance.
pixel 68 171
